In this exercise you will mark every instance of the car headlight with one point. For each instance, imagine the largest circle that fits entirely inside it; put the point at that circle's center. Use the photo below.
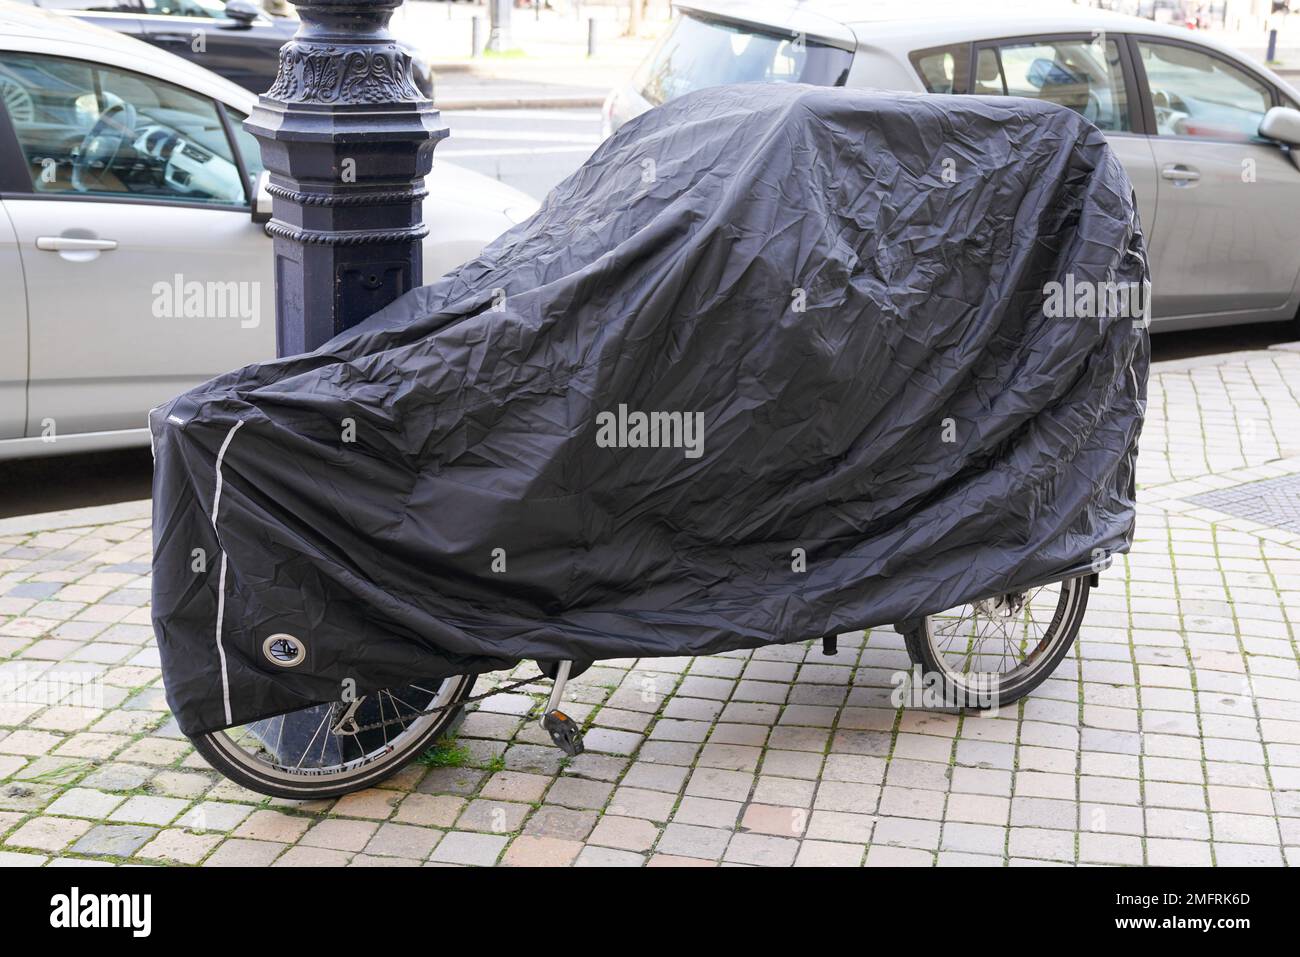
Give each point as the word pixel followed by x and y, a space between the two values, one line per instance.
pixel 517 214
pixel 607 115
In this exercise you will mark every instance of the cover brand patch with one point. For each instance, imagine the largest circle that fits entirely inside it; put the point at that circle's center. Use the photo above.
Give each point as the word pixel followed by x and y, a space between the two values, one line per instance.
pixel 284 650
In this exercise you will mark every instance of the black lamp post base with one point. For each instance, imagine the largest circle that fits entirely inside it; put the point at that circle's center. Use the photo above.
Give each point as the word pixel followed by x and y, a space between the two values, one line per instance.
pixel 347 140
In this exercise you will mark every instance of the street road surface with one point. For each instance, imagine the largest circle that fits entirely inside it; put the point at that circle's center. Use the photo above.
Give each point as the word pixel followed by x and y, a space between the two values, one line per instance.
pixel 531 150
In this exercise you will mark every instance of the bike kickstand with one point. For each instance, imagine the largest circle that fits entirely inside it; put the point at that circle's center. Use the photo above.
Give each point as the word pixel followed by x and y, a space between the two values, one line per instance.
pixel 564 731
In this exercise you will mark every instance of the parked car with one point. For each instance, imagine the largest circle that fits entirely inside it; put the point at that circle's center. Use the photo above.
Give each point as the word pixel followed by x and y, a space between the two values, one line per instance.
pixel 1207 136
pixel 234 38
pixel 131 267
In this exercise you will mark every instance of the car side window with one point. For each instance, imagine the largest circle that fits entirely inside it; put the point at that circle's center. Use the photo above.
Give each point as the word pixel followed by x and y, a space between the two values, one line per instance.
pixel 249 149
pixel 92 6
pixel 1201 95
pixel 943 69
pixel 1082 74
pixel 208 9
pixel 86 129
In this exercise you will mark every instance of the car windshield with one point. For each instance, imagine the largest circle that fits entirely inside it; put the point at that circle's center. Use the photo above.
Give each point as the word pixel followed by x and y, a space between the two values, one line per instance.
pixel 699 52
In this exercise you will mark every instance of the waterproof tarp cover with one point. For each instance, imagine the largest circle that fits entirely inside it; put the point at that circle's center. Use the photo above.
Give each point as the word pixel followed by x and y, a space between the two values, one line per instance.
pixel 846 288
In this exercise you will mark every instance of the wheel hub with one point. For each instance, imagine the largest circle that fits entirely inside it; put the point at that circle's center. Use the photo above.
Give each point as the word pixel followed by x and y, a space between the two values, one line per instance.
pixel 1003 607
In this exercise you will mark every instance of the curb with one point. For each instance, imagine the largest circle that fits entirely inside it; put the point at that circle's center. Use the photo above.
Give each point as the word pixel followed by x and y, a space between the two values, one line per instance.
pixel 74 517
pixel 451 66
pixel 519 102
pixel 1221 358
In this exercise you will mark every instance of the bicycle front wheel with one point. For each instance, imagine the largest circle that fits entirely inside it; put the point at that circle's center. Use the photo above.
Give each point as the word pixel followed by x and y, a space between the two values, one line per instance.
pixel 323 752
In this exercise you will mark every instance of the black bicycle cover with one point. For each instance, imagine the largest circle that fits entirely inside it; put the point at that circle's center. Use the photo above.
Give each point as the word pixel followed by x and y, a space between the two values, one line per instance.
pixel 776 362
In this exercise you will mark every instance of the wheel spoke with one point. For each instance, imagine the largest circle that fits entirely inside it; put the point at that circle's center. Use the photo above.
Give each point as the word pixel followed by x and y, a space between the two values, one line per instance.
pixel 1000 636
pixel 303 743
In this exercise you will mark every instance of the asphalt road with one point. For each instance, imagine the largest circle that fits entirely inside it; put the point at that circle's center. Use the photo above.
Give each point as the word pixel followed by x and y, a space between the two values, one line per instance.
pixel 531 150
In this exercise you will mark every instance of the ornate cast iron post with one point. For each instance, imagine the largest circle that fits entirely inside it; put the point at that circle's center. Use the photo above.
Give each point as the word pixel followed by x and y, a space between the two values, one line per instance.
pixel 347 140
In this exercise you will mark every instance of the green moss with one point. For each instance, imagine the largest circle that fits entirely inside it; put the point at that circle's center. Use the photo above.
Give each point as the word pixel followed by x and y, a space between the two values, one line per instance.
pixel 445 754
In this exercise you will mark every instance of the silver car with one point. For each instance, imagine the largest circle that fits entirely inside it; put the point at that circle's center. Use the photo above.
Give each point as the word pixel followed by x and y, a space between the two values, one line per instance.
pixel 1206 134
pixel 131 264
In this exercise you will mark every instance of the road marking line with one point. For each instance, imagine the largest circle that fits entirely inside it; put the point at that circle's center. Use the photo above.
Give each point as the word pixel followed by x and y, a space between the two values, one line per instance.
pixel 522 151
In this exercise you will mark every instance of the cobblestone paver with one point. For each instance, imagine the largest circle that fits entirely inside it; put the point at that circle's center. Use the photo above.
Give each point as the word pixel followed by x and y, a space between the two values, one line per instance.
pixel 1171 735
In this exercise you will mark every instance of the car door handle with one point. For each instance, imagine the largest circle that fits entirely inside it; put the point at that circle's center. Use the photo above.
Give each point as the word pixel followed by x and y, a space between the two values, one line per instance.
pixel 1178 173
pixel 171 37
pixel 60 244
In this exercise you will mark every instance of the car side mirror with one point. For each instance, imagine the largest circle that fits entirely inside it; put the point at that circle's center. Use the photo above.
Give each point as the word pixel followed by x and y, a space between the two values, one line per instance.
pixel 1282 125
pixel 240 14
pixel 262 198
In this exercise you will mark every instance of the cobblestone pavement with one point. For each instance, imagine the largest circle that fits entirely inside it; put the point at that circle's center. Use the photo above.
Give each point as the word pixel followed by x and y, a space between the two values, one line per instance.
pixel 1171 735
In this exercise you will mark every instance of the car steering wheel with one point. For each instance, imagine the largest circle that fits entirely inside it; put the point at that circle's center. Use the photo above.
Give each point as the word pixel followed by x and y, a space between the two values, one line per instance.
pixel 102 142
pixel 1171 111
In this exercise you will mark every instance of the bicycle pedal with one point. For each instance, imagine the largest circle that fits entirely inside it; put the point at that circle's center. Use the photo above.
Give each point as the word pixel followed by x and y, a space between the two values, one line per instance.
pixel 564 731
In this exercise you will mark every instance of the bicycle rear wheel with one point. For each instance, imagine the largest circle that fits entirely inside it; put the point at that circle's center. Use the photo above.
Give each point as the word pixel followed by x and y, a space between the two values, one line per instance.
pixel 993 651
